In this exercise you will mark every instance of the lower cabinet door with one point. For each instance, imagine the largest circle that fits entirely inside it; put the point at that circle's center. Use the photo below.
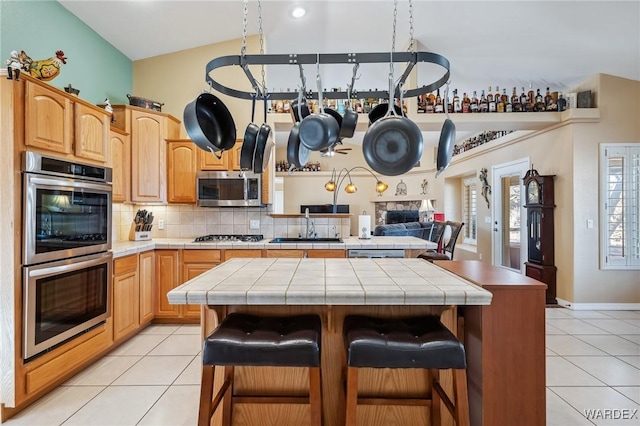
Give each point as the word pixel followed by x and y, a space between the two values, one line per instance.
pixel 125 304
pixel 167 278
pixel 146 278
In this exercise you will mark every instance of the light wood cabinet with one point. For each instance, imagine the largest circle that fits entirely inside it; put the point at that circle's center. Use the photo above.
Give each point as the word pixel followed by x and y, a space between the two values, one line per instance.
pixel 228 161
pixel 91 132
pixel 55 122
pixel 182 156
pixel 126 298
pixel 194 263
pixel 120 163
pixel 167 278
pixel 301 253
pixel 146 279
pixel 147 130
pixel 48 119
pixel 250 253
pixel 148 157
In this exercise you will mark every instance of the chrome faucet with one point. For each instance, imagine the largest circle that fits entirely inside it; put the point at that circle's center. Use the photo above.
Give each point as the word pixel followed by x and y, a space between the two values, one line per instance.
pixel 310 230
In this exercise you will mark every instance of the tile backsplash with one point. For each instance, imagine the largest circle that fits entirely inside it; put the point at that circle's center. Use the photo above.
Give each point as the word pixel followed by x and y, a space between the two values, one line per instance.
pixel 189 221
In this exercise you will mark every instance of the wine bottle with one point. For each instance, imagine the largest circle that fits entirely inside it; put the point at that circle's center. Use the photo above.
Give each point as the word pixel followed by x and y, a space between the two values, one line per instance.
pixel 492 101
pixel 549 102
pixel 539 105
pixel 483 105
pixel 438 107
pixel 474 103
pixel 523 100
pixel 457 106
pixel 499 102
pixel 562 102
pixel 515 102
pixel 466 103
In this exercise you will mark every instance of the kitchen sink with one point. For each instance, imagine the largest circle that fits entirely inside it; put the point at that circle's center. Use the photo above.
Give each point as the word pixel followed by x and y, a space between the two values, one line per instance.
pixel 285 240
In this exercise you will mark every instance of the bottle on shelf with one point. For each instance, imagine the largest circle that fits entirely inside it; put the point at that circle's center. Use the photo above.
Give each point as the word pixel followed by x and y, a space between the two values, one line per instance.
pixel 431 100
pixel 539 105
pixel 474 103
pixel 492 101
pixel 498 100
pixel 562 102
pixel 515 102
pixel 549 102
pixel 523 101
pixel 439 106
pixel 505 100
pixel 530 99
pixel 457 106
pixel 483 105
pixel 466 103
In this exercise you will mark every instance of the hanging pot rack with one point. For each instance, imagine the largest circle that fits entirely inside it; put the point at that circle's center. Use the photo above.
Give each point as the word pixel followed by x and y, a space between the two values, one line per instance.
pixel 244 61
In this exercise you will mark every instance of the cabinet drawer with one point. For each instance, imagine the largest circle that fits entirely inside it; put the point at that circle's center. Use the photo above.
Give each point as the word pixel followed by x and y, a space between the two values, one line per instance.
pixel 125 264
pixel 201 256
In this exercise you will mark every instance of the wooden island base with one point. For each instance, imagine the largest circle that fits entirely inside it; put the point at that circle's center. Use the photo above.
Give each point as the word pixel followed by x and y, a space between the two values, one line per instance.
pixel 504 341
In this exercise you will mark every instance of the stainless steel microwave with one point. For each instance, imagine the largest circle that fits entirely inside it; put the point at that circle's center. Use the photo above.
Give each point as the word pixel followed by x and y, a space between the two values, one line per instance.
pixel 228 189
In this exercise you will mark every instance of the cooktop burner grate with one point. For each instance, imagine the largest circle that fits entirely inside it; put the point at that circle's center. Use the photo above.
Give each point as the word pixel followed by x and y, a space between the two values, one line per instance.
pixel 228 237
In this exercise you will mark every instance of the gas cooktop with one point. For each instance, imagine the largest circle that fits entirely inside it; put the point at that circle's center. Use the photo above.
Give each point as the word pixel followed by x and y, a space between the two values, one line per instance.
pixel 228 237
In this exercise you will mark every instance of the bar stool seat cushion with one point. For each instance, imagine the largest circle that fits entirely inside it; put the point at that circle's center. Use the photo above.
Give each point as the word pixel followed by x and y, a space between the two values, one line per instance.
pixel 417 342
pixel 243 339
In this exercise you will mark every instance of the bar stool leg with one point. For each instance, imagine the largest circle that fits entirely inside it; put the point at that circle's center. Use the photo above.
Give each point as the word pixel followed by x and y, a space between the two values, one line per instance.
pixel 206 395
pixel 227 402
pixel 436 419
pixel 461 397
pixel 315 396
pixel 352 396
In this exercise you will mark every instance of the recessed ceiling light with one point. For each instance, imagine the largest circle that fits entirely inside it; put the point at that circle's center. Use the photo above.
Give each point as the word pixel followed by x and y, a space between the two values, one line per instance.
pixel 298 12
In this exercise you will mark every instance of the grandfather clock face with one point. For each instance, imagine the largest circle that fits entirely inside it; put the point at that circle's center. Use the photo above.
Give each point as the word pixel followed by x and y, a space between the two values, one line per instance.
pixel 533 192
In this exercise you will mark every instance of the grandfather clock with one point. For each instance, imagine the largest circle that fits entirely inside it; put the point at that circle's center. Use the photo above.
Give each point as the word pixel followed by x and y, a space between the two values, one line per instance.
pixel 540 239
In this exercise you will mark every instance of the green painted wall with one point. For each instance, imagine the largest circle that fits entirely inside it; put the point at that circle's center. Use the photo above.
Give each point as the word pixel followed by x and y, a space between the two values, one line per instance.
pixel 40 28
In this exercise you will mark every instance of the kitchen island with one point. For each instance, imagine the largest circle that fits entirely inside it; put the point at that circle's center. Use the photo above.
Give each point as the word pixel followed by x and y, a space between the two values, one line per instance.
pixel 334 288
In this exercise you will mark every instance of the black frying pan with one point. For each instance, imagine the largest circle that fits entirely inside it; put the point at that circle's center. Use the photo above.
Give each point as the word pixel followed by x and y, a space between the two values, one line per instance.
pixel 381 110
pixel 445 145
pixel 297 153
pixel 248 149
pixel 447 139
pixel 393 144
pixel 263 145
pixel 209 124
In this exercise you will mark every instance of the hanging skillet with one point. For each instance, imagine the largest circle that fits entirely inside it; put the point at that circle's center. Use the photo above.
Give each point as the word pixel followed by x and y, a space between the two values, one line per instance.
pixel 319 131
pixel 248 149
pixel 447 139
pixel 209 124
pixel 393 144
pixel 350 118
pixel 297 153
pixel 263 144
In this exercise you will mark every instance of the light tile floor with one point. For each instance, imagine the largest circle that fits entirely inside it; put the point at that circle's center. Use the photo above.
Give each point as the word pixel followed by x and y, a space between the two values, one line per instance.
pixel 593 363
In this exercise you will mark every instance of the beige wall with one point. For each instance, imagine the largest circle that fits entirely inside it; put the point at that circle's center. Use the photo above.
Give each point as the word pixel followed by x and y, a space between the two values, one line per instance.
pixel 619 104
pixel 178 78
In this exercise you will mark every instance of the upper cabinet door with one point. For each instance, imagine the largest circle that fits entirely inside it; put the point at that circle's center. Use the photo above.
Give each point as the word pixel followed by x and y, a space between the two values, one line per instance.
pixel 208 161
pixel 181 172
pixel 48 119
pixel 120 162
pixel 92 133
pixel 148 157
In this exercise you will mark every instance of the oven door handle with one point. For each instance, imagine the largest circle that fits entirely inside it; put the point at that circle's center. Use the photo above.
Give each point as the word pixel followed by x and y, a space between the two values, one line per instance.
pixel 68 265
pixel 67 184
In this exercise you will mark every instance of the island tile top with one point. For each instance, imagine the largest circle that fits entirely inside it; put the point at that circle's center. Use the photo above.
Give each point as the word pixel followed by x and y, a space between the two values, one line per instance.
pixel 286 281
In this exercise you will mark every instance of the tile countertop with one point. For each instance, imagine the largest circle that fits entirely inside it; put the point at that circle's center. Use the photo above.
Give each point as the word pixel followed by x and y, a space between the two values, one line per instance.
pixel 124 248
pixel 286 281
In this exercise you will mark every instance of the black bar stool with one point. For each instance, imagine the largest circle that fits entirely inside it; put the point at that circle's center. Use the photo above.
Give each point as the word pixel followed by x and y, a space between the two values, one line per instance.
pixel 249 340
pixel 417 342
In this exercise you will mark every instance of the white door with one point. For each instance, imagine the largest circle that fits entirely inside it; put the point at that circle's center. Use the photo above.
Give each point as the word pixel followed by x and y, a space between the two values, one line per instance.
pixel 509 217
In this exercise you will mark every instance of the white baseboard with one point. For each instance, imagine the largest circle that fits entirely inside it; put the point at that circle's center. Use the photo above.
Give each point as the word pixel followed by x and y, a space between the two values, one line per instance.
pixel 599 306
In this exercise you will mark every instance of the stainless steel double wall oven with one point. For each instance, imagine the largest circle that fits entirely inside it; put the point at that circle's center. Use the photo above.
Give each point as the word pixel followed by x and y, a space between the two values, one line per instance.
pixel 66 257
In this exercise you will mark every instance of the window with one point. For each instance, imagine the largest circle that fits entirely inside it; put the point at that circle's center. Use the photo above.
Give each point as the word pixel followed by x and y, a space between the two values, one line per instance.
pixel 469 211
pixel 620 209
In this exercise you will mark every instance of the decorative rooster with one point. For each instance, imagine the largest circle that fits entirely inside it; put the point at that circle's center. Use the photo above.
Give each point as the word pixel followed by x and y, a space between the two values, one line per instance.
pixel 46 69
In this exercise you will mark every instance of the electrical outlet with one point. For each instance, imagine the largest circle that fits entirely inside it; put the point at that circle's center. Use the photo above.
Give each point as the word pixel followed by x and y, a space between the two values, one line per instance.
pixel 479 256
pixel 161 224
pixel 487 219
pixel 589 223
pixel 254 224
